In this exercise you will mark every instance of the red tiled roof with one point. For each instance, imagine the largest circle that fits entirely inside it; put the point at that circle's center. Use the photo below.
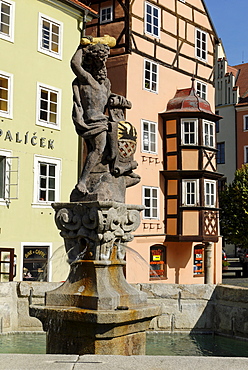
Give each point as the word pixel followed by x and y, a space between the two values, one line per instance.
pixel 232 70
pixel 79 4
pixel 242 80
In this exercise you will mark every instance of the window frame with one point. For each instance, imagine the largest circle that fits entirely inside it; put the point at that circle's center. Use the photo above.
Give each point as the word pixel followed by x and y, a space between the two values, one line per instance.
pixel 146 4
pixel 245 121
pixel 43 50
pixel 111 14
pixel 9 113
pixel 151 208
pixel 44 123
pixel 214 194
pixel 150 89
pixel 183 133
pixel 245 154
pixel 185 193
pixel 200 48
pixel 6 154
pixel 208 134
pixel 150 142
pixel 46 160
pixel 201 92
pixel 220 159
pixel 10 36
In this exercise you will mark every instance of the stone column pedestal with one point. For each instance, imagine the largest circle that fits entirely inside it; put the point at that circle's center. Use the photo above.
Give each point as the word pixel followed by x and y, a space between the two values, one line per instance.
pixel 95 310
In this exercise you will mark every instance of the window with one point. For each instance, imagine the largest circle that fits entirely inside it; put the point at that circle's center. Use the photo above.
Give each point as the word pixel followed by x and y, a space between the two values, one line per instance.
pixel 7 10
pixel 6 91
pixel 35 262
pixel 201 44
pixel 152 20
pixel 246 154
pixel 189 131
pixel 150 201
pixel 48 112
pixel 221 153
pixel 150 76
pixel 157 262
pixel 245 123
pixel 210 193
pixel 9 174
pixel 217 123
pixel 201 90
pixel 209 133
pixel 190 192
pixel 149 137
pixel 50 36
pixel 46 180
pixel 106 14
pixel 198 260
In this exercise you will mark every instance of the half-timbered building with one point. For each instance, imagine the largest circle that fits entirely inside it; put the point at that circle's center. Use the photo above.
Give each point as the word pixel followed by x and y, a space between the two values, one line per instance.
pixel 160 46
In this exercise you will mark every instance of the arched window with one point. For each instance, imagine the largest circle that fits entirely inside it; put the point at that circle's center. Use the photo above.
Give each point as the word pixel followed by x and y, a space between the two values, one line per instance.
pixel 158 261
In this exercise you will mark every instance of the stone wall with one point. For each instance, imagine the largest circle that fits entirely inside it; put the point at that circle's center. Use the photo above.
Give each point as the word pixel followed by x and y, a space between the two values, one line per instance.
pixel 223 309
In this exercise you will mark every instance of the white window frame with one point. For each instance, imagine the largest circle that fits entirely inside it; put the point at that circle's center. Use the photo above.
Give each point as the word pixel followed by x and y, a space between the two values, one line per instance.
pixel 200 86
pixel 151 208
pixel 206 135
pixel 212 195
pixel 41 48
pixel 7 154
pixel 47 160
pixel 200 49
pixel 46 123
pixel 9 113
pixel 153 17
pixel 184 133
pixel 185 193
pixel 10 35
pixel 149 136
pixel 245 120
pixel 102 10
pixel 37 244
pixel 150 79
pixel 245 154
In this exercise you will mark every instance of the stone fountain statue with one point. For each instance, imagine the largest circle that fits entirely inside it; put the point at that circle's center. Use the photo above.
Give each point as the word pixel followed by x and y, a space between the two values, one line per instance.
pixel 95 310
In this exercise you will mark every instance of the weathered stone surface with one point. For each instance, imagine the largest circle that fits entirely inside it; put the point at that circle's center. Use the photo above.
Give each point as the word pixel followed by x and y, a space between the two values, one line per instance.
pixel 35 288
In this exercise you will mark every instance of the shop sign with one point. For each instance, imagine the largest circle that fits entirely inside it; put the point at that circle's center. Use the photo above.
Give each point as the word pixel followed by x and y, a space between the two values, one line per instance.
pixel 32 253
pixel 27 138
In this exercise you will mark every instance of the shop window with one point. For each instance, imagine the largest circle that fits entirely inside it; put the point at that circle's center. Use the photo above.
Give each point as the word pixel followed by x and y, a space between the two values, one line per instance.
pixel 150 201
pixel 7 10
pixel 46 181
pixel 201 44
pixel 7 264
pixel 50 36
pixel 152 19
pixel 48 101
pixel 6 92
pixel 149 137
pixel 150 76
pixel 106 14
pixel 35 263
pixel 189 131
pixel 198 260
pixel 157 262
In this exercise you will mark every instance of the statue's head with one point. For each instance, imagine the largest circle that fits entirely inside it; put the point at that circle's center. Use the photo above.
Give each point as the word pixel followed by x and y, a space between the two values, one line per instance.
pixel 95 57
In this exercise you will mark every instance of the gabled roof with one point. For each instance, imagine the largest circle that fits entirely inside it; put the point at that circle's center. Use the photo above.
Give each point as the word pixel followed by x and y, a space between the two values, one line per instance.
pixel 242 80
pixel 80 6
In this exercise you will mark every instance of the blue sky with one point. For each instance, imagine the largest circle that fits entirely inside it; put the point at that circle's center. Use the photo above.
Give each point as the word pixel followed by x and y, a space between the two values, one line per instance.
pixel 230 19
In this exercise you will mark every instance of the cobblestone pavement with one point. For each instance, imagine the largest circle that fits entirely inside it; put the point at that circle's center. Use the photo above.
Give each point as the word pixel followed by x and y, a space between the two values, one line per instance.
pixel 232 280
